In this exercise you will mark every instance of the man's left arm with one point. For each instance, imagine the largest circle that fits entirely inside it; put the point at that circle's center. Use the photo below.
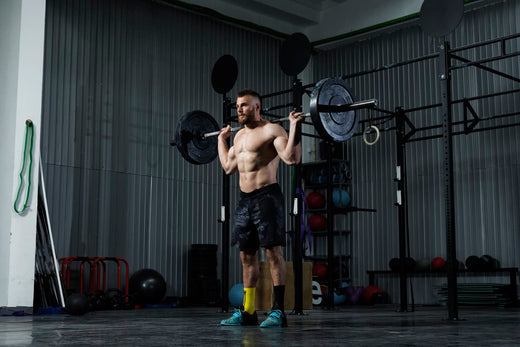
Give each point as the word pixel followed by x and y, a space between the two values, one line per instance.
pixel 289 148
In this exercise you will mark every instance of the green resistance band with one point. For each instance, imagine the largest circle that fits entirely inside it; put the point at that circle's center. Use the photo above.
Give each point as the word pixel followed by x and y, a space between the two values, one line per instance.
pixel 29 129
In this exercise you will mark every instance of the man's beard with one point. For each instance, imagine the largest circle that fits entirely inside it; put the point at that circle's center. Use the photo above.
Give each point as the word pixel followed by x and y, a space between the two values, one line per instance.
pixel 244 120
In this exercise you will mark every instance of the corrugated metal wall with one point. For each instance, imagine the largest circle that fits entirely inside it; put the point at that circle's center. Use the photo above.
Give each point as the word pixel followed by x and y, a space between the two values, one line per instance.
pixel 487 192
pixel 118 76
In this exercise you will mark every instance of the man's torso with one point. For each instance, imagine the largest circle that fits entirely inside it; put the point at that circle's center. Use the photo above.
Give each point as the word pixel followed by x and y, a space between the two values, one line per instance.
pixel 257 158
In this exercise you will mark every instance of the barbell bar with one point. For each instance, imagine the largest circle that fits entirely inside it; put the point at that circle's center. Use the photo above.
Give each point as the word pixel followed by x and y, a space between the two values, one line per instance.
pixel 357 105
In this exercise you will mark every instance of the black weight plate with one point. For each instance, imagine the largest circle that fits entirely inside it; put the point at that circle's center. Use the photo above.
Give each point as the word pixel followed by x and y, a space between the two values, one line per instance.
pixel 224 74
pixel 440 17
pixel 333 126
pixel 188 137
pixel 295 54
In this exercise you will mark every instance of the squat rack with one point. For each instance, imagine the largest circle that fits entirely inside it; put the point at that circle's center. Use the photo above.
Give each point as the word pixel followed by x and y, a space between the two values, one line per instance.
pixel 445 66
pixel 444 63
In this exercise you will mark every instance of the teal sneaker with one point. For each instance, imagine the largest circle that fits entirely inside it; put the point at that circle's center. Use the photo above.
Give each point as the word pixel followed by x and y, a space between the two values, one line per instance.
pixel 275 319
pixel 240 317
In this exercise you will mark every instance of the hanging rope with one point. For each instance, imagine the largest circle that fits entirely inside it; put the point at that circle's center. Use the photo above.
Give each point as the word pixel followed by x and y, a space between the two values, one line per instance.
pixel 29 129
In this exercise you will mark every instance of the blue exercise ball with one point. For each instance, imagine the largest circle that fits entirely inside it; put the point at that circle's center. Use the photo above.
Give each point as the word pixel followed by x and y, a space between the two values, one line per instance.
pixel 341 198
pixel 236 295
pixel 339 299
pixel 341 296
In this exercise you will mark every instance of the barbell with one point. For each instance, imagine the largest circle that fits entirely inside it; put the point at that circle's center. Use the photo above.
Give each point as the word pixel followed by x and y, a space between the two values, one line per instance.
pixel 332 110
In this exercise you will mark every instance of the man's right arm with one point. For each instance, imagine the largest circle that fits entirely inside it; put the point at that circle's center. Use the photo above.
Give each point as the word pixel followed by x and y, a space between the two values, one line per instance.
pixel 225 154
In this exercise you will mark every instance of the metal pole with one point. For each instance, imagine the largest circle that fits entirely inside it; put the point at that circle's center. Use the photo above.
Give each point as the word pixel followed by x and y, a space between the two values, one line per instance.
pixel 226 108
pixel 445 83
pixel 330 229
pixel 401 204
pixel 296 220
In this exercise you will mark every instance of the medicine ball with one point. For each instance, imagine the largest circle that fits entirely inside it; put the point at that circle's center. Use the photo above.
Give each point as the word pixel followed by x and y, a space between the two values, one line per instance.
pixel 341 198
pixel 423 264
pixel 315 200
pixel 438 263
pixel 409 264
pixel 114 298
pixel 473 263
pixel 320 271
pixel 489 263
pixel 317 222
pixel 97 300
pixel 394 264
pixel 147 286
pixel 368 292
pixel 236 295
pixel 77 304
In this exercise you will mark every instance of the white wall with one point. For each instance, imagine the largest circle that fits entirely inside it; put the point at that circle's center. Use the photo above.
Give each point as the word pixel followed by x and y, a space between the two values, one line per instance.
pixel 9 43
pixel 21 73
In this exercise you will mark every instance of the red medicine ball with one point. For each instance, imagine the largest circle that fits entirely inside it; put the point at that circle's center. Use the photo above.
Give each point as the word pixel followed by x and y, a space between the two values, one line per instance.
pixel 320 271
pixel 369 291
pixel 315 200
pixel 317 222
pixel 438 263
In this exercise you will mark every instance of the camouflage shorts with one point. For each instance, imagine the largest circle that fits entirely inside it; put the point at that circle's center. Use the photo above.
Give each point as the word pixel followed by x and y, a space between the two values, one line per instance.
pixel 260 219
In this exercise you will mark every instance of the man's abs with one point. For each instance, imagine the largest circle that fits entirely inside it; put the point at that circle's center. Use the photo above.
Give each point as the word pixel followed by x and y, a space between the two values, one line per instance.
pixel 250 181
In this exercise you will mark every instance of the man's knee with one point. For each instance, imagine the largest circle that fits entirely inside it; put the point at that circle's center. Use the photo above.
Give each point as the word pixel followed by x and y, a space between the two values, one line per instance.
pixel 274 254
pixel 248 257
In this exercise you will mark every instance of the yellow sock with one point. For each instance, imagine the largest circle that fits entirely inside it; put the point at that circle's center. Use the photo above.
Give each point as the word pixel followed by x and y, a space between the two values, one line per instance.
pixel 249 300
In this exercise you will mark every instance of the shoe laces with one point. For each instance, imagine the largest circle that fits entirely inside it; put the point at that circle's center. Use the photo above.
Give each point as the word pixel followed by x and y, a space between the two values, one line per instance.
pixel 275 313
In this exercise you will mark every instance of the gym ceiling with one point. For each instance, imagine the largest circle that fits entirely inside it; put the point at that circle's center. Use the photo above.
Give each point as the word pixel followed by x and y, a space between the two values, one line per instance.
pixel 327 23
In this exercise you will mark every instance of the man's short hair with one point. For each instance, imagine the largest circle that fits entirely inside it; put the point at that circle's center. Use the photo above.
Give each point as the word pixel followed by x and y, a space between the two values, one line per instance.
pixel 250 92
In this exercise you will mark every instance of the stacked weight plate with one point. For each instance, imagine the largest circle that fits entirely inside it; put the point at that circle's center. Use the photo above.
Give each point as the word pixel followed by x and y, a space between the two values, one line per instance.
pixel 481 294
pixel 203 286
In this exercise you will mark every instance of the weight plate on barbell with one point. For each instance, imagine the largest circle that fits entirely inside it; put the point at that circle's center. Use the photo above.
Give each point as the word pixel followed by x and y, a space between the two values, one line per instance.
pixel 188 137
pixel 333 126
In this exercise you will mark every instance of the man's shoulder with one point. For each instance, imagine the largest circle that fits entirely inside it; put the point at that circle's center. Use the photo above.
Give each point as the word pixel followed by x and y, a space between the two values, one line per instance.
pixel 273 127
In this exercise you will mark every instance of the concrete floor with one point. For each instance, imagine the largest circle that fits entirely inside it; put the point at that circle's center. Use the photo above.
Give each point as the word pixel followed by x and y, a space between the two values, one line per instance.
pixel 199 326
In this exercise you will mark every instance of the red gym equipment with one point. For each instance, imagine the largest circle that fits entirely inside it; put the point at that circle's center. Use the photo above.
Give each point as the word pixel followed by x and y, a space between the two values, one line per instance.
pixel 97 267
pixel 315 200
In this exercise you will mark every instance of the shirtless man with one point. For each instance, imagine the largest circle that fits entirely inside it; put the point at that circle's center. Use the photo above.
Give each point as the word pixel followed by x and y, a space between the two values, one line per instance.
pixel 260 214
